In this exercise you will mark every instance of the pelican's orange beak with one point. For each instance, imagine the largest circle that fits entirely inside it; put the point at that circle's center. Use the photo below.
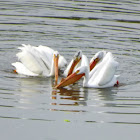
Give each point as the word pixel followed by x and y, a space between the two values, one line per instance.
pixel 75 62
pixel 56 58
pixel 70 79
pixel 93 63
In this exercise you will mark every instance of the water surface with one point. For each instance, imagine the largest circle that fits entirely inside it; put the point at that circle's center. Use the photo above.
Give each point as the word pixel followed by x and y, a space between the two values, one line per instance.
pixel 30 108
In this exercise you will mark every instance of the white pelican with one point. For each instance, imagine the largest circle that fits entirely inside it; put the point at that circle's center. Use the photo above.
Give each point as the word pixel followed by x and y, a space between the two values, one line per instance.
pixel 73 64
pixel 102 76
pixel 96 59
pixel 80 59
pixel 38 61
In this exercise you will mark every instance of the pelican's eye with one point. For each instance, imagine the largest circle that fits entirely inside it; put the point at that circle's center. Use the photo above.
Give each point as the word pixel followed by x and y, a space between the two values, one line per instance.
pixel 77 71
pixel 96 60
pixel 77 58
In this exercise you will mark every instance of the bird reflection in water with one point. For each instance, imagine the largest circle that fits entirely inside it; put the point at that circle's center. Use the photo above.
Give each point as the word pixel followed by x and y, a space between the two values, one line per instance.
pixel 75 96
pixel 107 94
pixel 104 97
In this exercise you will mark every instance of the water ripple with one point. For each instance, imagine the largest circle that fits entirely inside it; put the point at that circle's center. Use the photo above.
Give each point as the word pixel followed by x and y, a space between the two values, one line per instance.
pixel 68 26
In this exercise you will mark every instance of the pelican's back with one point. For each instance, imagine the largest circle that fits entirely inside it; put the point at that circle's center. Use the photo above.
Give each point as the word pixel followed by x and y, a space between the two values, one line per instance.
pixel 30 58
pixel 107 73
pixel 103 74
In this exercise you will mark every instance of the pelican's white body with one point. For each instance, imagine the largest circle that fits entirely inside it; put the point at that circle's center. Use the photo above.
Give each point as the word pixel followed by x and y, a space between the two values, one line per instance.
pixel 103 75
pixel 37 61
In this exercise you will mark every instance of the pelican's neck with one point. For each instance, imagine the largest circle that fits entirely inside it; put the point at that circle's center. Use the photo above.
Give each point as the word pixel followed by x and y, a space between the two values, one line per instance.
pixel 86 77
pixel 67 69
pixel 52 70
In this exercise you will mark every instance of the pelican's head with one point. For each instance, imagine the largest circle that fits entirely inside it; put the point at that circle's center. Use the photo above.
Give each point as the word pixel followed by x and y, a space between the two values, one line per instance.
pixel 97 57
pixel 56 58
pixel 78 55
pixel 76 59
pixel 74 77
